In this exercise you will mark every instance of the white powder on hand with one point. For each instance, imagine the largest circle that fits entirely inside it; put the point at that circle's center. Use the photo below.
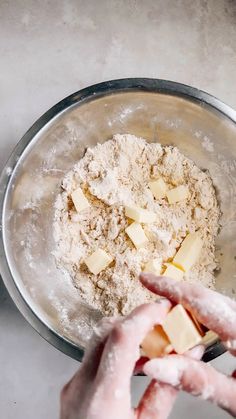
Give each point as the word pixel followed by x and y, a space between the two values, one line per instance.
pixel 115 174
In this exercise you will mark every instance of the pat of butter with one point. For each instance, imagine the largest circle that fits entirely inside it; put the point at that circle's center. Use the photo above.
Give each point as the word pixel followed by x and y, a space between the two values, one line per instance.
pixel 180 193
pixel 153 266
pixel 98 261
pixel 158 188
pixel 173 272
pixel 180 329
pixel 209 338
pixel 79 200
pixel 189 252
pixel 136 235
pixel 156 343
pixel 140 215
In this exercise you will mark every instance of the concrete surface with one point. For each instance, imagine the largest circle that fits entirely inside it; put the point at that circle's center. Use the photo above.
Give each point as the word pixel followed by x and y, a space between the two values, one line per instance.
pixel 51 49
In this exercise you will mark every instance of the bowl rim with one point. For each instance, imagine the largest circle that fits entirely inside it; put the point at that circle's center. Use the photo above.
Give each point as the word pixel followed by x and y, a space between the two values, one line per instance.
pixel 78 98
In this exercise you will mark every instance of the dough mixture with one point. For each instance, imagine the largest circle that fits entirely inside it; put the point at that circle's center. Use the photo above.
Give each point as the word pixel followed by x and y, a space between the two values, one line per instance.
pixel 117 174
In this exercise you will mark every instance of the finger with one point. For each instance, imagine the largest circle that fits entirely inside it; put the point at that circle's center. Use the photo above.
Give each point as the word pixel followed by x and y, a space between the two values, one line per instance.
pixel 159 398
pixel 96 345
pixel 195 353
pixel 211 308
pixel 157 401
pixel 88 369
pixel 196 378
pixel 122 347
pixel 147 276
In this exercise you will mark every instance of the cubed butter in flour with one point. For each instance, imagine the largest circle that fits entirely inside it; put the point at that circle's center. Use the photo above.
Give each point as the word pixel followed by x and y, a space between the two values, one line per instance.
pixel 181 330
pixel 153 266
pixel 180 193
pixel 156 343
pixel 140 215
pixel 79 200
pixel 98 261
pixel 189 252
pixel 158 188
pixel 137 235
pixel 173 272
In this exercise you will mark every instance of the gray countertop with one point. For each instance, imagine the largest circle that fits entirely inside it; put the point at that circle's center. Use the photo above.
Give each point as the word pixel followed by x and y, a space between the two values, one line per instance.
pixel 51 49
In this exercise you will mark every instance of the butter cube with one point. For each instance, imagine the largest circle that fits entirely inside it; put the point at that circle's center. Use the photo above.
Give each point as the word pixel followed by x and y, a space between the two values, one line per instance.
pixel 79 200
pixel 209 338
pixel 158 188
pixel 189 252
pixel 140 215
pixel 156 343
pixel 136 235
pixel 180 329
pixel 180 193
pixel 98 261
pixel 153 266
pixel 173 272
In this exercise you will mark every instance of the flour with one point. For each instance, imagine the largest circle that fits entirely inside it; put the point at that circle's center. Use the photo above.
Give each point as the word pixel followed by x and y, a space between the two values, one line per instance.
pixel 115 174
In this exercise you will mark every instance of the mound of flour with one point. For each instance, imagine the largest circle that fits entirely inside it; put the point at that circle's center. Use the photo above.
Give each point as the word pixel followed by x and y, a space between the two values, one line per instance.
pixel 115 174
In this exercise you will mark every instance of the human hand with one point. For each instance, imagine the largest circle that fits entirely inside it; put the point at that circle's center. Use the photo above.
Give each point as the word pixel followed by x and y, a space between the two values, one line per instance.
pixel 101 388
pixel 218 313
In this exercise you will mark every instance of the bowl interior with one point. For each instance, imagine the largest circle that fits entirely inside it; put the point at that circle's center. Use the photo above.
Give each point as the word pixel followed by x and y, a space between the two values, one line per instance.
pixel 201 132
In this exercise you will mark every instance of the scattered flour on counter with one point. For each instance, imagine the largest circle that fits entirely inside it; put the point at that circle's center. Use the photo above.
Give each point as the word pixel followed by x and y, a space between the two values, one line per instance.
pixel 115 174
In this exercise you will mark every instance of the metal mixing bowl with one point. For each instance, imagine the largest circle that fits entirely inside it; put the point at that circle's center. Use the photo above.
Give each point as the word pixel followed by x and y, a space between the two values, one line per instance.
pixel 202 127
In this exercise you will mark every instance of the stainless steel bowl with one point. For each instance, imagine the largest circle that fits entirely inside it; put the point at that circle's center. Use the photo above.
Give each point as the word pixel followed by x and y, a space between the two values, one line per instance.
pixel 201 126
